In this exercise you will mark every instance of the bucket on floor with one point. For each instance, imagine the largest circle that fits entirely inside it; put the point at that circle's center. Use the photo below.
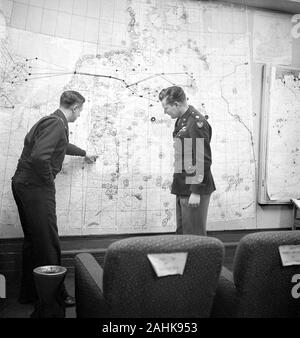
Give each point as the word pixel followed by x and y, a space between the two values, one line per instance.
pixel 49 282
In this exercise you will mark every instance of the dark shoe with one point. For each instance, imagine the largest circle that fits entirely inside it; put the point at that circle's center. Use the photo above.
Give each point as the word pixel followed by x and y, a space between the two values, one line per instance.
pixel 69 301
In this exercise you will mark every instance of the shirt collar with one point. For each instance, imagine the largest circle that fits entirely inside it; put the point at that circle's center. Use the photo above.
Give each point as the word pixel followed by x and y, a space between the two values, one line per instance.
pixel 187 113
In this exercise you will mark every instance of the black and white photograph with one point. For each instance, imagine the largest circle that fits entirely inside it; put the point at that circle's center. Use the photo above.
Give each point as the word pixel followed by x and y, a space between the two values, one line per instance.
pixel 149 162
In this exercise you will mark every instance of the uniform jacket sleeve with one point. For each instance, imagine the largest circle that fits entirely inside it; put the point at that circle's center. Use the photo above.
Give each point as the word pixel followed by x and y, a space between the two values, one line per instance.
pixel 201 130
pixel 44 144
pixel 74 150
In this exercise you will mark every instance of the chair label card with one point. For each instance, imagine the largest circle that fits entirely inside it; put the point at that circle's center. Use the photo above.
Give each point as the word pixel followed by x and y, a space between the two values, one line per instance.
pixel 166 264
pixel 290 254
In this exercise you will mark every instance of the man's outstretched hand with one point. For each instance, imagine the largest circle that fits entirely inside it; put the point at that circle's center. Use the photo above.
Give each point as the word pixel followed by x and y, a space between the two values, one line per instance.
pixel 90 158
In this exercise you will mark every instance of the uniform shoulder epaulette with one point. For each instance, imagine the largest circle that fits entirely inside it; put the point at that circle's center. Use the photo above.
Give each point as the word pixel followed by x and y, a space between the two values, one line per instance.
pixel 57 118
pixel 198 119
pixel 48 119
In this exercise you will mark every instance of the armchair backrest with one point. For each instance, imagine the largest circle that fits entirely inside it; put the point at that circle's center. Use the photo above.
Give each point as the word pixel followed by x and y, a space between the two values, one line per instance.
pixel 263 284
pixel 132 289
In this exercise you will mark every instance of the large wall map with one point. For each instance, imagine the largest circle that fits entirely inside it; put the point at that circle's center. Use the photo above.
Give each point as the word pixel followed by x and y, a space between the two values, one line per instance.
pixel 202 47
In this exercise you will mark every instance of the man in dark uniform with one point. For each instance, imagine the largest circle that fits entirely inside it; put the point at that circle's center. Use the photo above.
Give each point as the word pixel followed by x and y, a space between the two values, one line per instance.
pixel 33 189
pixel 192 185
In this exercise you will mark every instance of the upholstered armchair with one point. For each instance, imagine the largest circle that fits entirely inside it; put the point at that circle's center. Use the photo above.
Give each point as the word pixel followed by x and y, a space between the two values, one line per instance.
pixel 260 286
pixel 127 285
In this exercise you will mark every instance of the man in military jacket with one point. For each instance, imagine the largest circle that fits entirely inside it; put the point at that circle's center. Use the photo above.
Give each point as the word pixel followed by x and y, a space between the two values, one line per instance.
pixel 192 184
pixel 45 147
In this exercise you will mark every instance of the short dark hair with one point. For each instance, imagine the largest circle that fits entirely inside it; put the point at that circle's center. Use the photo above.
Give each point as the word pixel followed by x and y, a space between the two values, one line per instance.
pixel 70 97
pixel 173 94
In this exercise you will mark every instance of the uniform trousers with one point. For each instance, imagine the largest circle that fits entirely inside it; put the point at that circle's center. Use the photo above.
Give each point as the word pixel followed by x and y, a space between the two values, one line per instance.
pixel 37 211
pixel 191 220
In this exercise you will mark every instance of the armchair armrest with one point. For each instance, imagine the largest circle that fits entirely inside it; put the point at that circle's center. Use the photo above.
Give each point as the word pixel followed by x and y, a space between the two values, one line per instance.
pixel 90 302
pixel 226 298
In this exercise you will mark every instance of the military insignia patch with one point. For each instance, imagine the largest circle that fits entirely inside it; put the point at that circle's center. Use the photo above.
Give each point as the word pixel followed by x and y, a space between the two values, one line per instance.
pixel 182 130
pixel 200 124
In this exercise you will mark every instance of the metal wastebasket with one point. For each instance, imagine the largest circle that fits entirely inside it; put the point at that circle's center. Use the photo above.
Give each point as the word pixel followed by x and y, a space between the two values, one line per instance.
pixel 49 281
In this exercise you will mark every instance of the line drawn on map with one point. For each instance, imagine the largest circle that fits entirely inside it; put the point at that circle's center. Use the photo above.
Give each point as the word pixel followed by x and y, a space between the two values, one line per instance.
pixel 31 72
pixel 236 116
